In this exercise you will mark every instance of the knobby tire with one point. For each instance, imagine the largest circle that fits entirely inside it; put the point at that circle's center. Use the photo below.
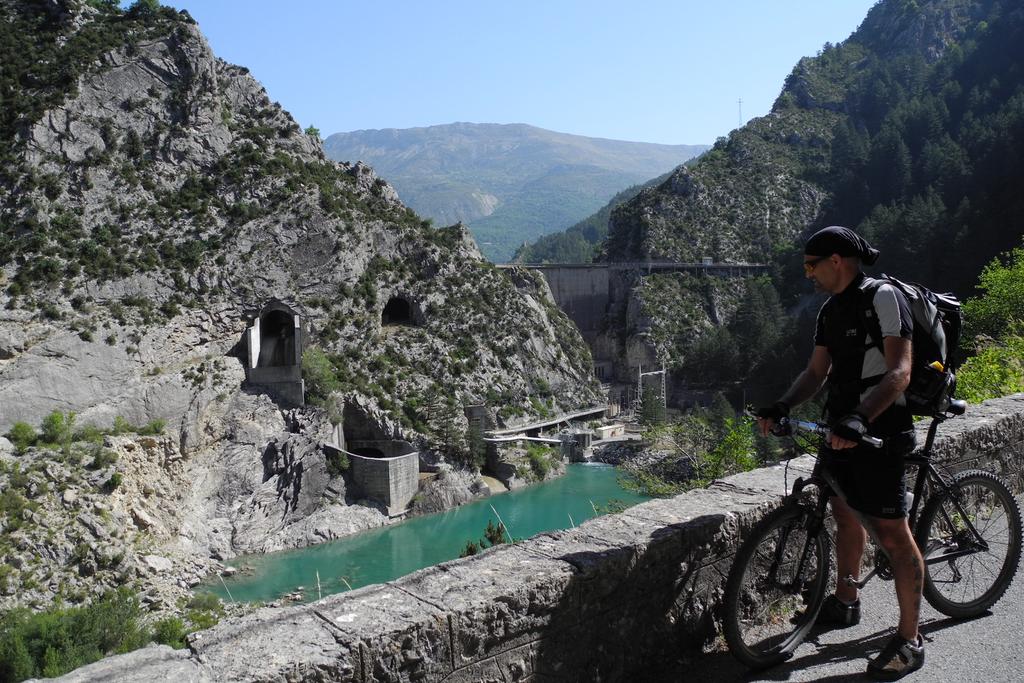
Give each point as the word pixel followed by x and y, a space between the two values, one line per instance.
pixel 968 585
pixel 764 621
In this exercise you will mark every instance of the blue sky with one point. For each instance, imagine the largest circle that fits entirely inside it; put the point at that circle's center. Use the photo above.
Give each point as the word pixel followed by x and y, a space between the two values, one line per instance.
pixel 651 71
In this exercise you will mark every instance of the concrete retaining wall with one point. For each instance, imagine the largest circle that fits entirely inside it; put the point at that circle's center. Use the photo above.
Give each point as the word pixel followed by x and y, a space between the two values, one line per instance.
pixel 606 601
pixel 392 481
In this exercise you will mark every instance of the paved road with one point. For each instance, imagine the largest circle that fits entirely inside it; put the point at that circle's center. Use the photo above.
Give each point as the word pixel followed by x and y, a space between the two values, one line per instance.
pixel 987 649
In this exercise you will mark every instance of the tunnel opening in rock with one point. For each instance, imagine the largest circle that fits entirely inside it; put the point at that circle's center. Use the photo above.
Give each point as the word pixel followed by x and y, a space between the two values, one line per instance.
pixel 360 426
pixel 368 452
pixel 397 311
pixel 277 340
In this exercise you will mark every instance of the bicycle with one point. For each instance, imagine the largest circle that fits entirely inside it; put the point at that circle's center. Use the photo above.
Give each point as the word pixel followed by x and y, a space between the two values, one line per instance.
pixel 969 533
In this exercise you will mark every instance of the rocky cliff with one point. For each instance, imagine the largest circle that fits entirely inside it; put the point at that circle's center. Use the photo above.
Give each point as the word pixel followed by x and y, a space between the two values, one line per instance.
pixel 153 200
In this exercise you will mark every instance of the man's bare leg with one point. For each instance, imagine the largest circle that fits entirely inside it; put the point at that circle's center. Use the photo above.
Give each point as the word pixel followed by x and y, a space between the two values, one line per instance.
pixel 907 570
pixel 850 541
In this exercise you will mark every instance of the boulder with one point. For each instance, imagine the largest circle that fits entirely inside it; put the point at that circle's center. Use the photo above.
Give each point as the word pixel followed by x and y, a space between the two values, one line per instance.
pixel 143 520
pixel 449 488
pixel 157 563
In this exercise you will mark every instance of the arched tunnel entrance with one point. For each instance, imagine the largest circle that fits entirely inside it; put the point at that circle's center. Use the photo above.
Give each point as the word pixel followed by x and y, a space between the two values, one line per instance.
pixel 368 452
pixel 277 340
pixel 397 311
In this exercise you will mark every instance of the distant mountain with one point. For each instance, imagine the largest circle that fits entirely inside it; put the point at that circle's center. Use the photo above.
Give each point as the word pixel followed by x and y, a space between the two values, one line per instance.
pixel 581 242
pixel 510 183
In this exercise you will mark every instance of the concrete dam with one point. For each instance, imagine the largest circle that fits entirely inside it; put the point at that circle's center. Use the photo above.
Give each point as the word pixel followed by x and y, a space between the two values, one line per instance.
pixel 596 297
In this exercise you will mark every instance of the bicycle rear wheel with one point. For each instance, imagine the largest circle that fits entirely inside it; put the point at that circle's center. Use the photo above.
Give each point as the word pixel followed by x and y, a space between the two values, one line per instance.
pixel 964 575
pixel 775 588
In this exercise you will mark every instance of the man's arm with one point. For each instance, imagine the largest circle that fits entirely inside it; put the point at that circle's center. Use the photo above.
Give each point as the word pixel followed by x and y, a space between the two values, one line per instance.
pixel 898 356
pixel 809 382
pixel 806 385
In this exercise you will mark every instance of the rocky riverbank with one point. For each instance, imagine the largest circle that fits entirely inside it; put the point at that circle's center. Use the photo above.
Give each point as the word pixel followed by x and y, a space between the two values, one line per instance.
pixel 90 510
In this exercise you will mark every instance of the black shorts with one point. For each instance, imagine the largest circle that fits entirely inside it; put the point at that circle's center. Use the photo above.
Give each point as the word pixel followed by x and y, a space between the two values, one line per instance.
pixel 871 480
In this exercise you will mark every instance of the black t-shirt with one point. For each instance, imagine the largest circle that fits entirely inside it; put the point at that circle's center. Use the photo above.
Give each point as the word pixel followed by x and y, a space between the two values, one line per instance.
pixel 857 363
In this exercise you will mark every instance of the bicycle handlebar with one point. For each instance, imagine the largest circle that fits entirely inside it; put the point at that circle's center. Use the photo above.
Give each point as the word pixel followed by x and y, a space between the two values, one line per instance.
pixel 785 426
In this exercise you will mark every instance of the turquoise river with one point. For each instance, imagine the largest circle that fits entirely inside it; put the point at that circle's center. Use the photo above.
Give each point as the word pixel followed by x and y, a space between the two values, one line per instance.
pixel 393 551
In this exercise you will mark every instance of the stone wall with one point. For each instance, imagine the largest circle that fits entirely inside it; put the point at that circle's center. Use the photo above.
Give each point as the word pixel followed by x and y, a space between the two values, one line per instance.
pixel 606 601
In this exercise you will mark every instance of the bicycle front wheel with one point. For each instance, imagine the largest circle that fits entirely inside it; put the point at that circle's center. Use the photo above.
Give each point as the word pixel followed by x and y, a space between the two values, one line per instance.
pixel 968 572
pixel 775 588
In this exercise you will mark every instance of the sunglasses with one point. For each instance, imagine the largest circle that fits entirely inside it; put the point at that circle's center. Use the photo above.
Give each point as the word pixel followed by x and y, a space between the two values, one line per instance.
pixel 809 266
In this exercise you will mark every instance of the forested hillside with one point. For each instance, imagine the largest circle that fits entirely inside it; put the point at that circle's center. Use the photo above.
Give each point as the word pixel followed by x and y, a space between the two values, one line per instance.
pixel 929 162
pixel 911 132
pixel 581 242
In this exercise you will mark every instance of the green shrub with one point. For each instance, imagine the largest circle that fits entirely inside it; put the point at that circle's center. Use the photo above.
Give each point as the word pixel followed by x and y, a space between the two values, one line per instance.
pixel 170 631
pixel 22 435
pixel 612 507
pixel 494 534
pixel 704 446
pixel 540 459
pixel 206 602
pixel 6 571
pixel 319 374
pixel 121 426
pixel 90 434
pixel 102 458
pixel 17 478
pixel 152 428
pixel 12 506
pixel 111 484
pixel 51 312
pixel 337 463
pixel 59 429
pixel 204 611
pixel 58 640
pixel 539 408
pixel 997 370
pixel 1001 305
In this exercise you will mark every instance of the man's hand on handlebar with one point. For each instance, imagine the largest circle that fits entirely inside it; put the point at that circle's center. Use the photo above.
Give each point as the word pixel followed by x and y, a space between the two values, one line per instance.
pixel 847 432
pixel 768 416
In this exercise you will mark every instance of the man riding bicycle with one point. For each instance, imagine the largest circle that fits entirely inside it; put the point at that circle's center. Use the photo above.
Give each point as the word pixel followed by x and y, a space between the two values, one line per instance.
pixel 865 383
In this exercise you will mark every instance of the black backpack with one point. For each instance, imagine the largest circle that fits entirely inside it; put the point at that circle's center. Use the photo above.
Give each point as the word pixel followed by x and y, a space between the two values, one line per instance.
pixel 937 323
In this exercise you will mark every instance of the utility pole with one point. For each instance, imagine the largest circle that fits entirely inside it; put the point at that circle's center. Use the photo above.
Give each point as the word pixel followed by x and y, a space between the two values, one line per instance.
pixel 739 118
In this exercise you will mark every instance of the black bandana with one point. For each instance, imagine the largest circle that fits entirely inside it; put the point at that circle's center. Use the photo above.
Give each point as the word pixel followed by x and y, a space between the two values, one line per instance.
pixel 843 241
